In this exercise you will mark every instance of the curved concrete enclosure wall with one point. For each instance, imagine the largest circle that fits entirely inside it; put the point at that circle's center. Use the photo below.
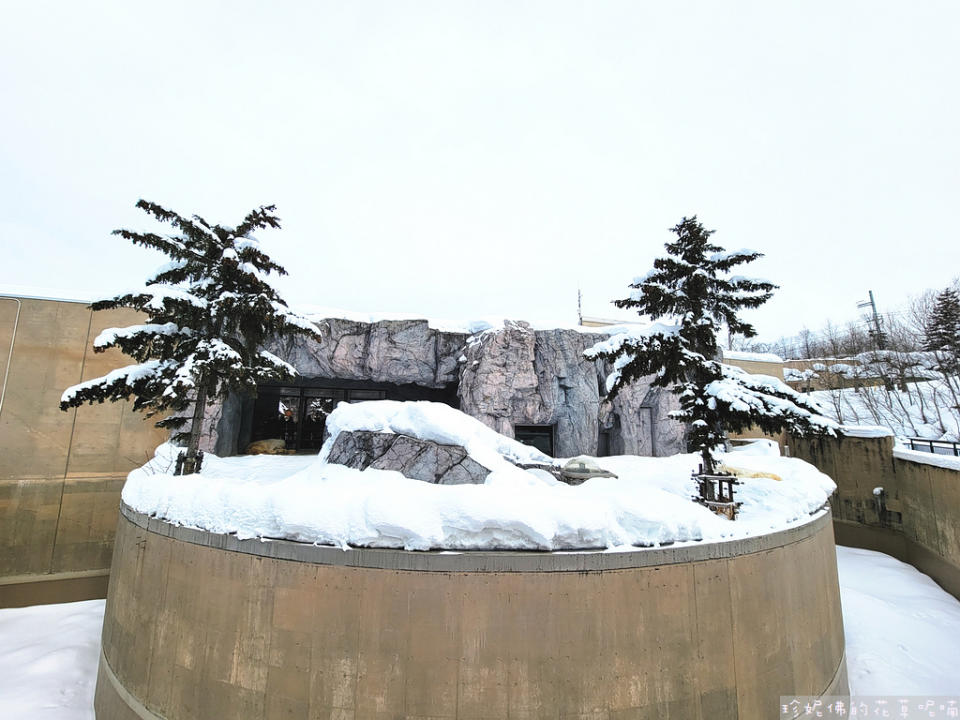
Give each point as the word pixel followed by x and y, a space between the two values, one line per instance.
pixel 915 519
pixel 199 625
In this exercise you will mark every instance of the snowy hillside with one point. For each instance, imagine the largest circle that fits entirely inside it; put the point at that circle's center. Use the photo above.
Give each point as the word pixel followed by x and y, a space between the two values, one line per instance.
pixel 926 409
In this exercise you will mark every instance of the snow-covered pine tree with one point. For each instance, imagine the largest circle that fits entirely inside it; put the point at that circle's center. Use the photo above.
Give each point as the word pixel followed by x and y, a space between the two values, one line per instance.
pixel 209 311
pixel 942 331
pixel 689 291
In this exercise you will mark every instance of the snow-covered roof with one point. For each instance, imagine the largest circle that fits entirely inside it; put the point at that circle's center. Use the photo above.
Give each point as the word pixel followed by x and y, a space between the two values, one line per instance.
pixel 751 356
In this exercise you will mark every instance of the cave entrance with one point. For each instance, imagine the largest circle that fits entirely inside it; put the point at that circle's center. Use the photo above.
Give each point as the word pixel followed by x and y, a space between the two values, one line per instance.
pixel 297 413
pixel 539 436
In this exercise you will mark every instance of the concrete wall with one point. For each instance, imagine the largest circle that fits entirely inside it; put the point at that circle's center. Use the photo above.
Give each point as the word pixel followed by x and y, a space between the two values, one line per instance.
pixel 917 519
pixel 60 472
pixel 757 367
pixel 199 625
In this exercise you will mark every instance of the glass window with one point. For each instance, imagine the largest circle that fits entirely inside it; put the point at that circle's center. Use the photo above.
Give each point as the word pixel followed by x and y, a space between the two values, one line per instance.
pixel 358 395
pixel 539 436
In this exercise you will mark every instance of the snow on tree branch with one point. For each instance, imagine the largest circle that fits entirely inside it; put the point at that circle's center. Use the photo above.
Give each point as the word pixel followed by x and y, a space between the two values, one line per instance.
pixel 690 288
pixel 209 311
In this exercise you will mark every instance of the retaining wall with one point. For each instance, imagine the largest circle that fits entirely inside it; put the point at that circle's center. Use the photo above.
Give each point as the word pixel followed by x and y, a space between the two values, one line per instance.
pixel 60 472
pixel 916 518
pixel 199 625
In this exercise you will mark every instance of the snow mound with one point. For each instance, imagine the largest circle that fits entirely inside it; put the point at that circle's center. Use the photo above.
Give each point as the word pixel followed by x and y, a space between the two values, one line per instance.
pixel 752 356
pixel 866 431
pixel 432 421
pixel 306 499
pixel 948 462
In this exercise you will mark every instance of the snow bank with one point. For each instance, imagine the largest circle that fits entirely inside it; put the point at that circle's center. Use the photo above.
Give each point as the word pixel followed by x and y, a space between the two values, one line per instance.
pixel 950 462
pixel 866 431
pixel 752 356
pixel 432 421
pixel 306 499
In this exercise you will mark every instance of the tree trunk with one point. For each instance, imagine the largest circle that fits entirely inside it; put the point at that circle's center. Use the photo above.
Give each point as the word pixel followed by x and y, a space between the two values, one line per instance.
pixel 707 460
pixel 191 461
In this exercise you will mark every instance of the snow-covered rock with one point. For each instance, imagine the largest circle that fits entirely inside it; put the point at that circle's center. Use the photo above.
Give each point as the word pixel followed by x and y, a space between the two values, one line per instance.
pixel 412 457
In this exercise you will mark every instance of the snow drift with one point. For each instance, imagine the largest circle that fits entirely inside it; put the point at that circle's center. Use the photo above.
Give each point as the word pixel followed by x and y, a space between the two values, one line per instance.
pixel 304 498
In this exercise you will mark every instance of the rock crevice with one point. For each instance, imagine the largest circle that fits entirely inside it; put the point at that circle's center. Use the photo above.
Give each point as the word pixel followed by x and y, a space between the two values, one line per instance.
pixel 414 458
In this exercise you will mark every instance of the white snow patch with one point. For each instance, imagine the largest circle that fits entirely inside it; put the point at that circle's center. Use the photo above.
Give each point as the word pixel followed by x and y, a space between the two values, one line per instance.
pixel 306 499
pixel 109 336
pixel 751 356
pixel 757 446
pixel 950 462
pixel 900 627
pixel 128 375
pixel 866 431
pixel 48 660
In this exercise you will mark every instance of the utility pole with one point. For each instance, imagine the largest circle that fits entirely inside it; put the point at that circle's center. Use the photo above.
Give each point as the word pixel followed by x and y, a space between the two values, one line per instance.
pixel 579 307
pixel 878 334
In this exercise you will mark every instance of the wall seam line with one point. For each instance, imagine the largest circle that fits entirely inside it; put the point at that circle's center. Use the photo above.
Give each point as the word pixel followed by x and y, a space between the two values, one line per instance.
pixel 66 463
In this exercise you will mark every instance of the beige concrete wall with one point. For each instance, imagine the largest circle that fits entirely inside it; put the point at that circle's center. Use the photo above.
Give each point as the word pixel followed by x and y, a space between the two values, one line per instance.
pixel 921 502
pixel 755 367
pixel 60 472
pixel 194 631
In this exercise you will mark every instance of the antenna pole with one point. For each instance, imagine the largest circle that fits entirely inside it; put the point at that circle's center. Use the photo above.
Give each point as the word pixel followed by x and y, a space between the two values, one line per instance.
pixel 876 322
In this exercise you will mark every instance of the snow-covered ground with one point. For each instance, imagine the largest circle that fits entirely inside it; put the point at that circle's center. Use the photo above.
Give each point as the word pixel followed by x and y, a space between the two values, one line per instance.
pixel 901 629
pixel 48 661
pixel 307 499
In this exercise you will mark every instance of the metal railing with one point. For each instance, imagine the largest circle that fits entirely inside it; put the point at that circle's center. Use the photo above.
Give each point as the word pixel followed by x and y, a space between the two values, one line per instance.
pixel 937 447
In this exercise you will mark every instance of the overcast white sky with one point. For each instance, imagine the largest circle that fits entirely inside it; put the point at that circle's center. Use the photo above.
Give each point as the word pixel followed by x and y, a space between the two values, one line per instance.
pixel 471 159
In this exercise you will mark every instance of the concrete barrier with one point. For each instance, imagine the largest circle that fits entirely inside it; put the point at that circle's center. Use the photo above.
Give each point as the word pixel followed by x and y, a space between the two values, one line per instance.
pixel 60 472
pixel 200 625
pixel 916 517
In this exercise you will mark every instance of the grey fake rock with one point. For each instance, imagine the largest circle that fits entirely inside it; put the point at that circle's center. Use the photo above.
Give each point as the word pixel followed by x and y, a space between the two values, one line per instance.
pixel 412 457
pixel 516 375
pixel 394 351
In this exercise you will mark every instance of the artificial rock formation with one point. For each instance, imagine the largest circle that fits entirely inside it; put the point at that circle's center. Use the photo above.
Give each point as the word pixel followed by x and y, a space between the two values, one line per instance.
pixel 504 377
pixel 412 457
pixel 392 351
pixel 516 375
